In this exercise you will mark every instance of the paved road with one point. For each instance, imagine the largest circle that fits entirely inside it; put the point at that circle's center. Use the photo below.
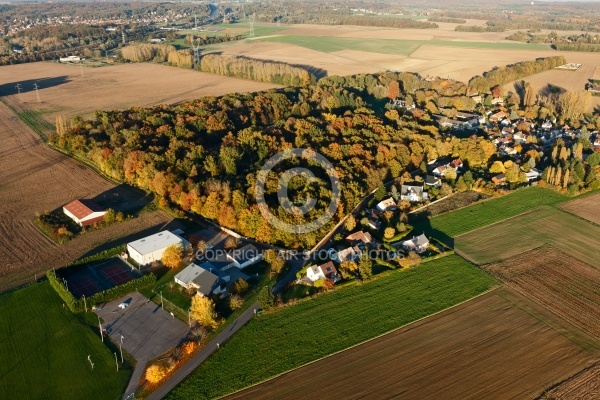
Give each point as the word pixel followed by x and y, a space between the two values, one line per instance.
pixel 210 348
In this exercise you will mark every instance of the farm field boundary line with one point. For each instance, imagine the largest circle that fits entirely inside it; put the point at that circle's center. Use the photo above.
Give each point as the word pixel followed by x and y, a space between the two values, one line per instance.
pixel 365 341
pixel 579 374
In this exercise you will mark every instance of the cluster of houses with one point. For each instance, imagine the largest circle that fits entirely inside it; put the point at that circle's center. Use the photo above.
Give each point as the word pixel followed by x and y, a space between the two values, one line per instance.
pixel 211 277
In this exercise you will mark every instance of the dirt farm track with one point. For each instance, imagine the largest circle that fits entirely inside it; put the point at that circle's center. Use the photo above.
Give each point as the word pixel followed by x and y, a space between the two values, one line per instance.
pixel 495 346
pixel 34 178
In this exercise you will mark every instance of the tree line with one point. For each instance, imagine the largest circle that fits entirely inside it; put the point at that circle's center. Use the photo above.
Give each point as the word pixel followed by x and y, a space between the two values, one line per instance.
pixel 258 70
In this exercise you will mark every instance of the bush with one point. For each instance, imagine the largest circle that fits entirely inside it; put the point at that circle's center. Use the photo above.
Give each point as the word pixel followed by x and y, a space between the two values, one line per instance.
pixel 155 373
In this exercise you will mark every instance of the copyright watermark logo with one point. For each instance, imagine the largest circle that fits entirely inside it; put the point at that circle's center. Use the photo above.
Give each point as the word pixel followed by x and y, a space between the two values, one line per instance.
pixel 297 209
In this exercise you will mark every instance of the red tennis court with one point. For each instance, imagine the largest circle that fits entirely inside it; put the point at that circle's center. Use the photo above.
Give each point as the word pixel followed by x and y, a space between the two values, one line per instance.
pixel 117 275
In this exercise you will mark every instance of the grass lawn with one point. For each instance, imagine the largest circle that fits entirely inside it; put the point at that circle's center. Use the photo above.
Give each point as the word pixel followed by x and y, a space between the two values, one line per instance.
pixel 487 212
pixel 279 341
pixel 328 44
pixel 45 349
pixel 547 225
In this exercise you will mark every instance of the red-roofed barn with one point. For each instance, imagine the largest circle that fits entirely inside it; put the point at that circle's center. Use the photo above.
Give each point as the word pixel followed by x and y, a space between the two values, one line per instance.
pixel 84 212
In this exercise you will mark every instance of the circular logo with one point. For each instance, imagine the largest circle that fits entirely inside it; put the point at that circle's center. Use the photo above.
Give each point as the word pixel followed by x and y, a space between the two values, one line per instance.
pixel 290 205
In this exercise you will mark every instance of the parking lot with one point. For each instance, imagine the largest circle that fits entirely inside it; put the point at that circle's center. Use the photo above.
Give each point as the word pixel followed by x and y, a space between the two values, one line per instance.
pixel 147 329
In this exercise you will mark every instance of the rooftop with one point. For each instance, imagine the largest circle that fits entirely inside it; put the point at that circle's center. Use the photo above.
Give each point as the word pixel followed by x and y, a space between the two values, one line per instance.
pixel 81 208
pixel 155 242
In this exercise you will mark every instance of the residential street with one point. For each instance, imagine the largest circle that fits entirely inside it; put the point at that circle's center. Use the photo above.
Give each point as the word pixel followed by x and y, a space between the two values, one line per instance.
pixel 199 358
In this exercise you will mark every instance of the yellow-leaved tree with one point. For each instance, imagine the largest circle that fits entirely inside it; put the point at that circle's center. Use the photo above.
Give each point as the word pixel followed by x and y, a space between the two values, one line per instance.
pixel 172 256
pixel 155 373
pixel 203 311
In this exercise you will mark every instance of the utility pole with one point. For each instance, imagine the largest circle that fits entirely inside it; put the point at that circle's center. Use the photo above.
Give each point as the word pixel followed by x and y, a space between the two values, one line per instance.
pixel 251 33
pixel 123 35
pixel 90 360
pixel 116 361
pixel 84 303
pixel 161 301
pixel 121 350
pixel 196 48
pixel 37 93
pixel 100 326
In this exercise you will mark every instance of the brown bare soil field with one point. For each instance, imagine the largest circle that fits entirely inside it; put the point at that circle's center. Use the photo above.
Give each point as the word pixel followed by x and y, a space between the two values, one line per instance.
pixel 486 348
pixel 586 208
pixel 558 282
pixel 585 385
pixel 64 91
pixel 35 178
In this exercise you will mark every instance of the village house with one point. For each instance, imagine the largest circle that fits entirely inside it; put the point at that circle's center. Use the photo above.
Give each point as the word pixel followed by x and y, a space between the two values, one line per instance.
pixel 84 212
pixel 499 179
pixel 387 204
pixel 373 217
pixel 325 271
pixel 500 115
pixel 413 193
pixel 533 174
pixel 206 281
pixel 433 181
pixel 360 237
pixel 349 254
pixel 417 243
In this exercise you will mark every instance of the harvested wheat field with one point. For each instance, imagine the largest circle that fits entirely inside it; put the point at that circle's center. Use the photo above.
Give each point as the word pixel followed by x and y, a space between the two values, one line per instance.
pixel 586 208
pixel 64 91
pixel 558 282
pixel 34 179
pixel 486 348
pixel 584 385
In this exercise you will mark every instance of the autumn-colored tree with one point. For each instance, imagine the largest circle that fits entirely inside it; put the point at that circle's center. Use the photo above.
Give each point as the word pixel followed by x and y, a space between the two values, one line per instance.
pixel 172 256
pixel 393 90
pixel 201 246
pixel 350 223
pixel 155 373
pixel 412 259
pixel 497 168
pixel 365 267
pixel 328 285
pixel 231 243
pixel 203 311
pixel 389 232
pixel 188 348
pixel 240 287
pixel 348 268
pixel 235 302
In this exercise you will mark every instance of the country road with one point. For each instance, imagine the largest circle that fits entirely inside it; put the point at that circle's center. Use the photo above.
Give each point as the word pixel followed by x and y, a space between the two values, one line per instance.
pixel 199 358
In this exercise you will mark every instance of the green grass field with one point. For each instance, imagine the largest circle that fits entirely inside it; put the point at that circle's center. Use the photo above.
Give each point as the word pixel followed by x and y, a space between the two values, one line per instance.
pixel 329 44
pixel 279 341
pixel 487 212
pixel 45 348
pixel 546 225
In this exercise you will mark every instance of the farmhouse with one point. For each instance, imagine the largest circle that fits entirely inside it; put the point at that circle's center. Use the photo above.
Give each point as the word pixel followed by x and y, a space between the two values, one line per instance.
pixel 325 271
pixel 413 193
pixel 417 243
pixel 84 212
pixel 374 222
pixel 386 204
pixel 151 248
pixel 200 278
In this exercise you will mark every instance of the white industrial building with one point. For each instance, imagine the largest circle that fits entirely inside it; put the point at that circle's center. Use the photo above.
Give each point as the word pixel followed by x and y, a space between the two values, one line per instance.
pixel 151 248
